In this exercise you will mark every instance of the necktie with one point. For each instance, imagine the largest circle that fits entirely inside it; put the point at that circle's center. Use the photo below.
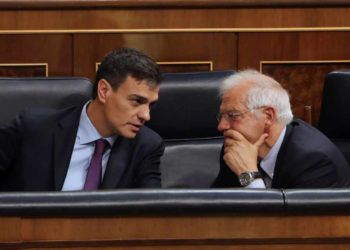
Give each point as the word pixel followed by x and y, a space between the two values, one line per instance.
pixel 266 178
pixel 93 177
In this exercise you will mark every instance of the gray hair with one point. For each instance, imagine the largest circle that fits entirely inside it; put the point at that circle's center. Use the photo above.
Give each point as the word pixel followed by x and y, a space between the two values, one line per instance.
pixel 265 91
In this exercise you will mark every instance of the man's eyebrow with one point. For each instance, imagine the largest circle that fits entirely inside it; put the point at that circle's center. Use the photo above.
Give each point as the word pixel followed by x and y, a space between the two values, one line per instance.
pixel 231 111
pixel 143 99
pixel 139 97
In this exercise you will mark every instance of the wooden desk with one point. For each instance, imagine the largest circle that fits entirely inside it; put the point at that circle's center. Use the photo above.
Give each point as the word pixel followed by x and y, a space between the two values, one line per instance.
pixel 176 219
pixel 252 231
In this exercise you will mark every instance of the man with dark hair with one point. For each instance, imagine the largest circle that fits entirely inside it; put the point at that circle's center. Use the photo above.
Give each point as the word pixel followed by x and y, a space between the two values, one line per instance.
pixel 101 145
pixel 120 63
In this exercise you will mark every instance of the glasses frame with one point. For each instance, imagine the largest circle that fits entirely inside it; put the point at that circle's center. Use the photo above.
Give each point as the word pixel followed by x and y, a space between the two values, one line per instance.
pixel 231 116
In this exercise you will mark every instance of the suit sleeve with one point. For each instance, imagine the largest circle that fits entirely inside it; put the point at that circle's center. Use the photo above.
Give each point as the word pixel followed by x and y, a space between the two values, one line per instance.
pixel 319 172
pixel 10 140
pixel 225 178
pixel 149 175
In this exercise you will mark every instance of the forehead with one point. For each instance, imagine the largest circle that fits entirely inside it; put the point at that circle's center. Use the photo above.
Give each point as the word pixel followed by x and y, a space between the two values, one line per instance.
pixel 132 86
pixel 235 98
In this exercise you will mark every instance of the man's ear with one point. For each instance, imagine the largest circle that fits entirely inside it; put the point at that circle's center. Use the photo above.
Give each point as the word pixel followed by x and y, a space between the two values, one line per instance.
pixel 103 90
pixel 269 115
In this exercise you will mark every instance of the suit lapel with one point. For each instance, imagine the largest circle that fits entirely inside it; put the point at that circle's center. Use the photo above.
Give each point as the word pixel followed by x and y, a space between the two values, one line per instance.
pixel 63 141
pixel 117 163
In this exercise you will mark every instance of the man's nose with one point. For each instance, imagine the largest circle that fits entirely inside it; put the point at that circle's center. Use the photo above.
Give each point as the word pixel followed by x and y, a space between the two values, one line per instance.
pixel 144 114
pixel 223 125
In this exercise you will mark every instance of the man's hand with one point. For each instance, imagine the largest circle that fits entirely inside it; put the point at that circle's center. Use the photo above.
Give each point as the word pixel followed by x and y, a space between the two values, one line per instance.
pixel 239 154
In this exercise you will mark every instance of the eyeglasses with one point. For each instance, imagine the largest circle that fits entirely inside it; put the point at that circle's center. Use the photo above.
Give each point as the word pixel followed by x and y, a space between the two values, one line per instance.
pixel 231 115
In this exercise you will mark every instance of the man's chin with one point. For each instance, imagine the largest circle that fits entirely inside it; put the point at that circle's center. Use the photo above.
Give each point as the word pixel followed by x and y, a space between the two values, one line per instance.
pixel 128 134
pixel 129 131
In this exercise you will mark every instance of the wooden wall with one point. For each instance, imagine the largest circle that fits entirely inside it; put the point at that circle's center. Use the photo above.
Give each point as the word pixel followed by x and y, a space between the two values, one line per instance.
pixel 297 42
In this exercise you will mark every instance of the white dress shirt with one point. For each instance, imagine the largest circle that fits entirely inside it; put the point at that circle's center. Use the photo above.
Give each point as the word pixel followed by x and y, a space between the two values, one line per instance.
pixel 83 150
pixel 269 162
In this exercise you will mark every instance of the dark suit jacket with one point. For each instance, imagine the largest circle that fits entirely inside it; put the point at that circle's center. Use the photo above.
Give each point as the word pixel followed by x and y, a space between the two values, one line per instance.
pixel 35 152
pixel 306 159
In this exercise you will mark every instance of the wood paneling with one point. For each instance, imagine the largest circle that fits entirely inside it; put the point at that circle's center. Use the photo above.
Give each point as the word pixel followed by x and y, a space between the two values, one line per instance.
pixel 224 32
pixel 10 230
pixel 180 246
pixel 180 47
pixel 243 227
pixel 240 231
pixel 291 46
pixel 21 4
pixel 184 66
pixel 55 50
pixel 23 70
pixel 304 81
pixel 173 18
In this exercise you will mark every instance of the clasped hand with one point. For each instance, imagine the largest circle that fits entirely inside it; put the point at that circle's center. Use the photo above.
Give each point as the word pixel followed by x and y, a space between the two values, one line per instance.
pixel 240 155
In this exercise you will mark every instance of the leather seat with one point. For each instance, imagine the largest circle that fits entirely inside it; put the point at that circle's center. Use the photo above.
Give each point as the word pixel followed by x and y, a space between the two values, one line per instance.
pixel 142 202
pixel 185 116
pixel 51 92
pixel 317 201
pixel 191 163
pixel 335 112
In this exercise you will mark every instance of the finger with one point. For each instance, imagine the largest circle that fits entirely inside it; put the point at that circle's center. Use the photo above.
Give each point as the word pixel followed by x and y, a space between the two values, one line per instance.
pixel 261 140
pixel 229 142
pixel 228 133
pixel 235 135
pixel 227 149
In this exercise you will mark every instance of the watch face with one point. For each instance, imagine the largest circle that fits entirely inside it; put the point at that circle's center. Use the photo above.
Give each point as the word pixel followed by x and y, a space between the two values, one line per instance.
pixel 245 178
pixel 248 177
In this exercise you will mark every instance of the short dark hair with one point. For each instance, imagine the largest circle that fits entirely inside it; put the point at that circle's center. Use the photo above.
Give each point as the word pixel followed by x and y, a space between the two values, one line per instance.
pixel 120 63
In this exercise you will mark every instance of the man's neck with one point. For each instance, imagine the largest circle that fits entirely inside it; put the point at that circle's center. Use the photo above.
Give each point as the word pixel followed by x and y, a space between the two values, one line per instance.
pixel 274 134
pixel 95 114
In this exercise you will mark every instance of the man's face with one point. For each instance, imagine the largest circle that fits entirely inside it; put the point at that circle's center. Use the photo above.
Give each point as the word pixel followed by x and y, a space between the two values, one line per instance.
pixel 127 108
pixel 233 104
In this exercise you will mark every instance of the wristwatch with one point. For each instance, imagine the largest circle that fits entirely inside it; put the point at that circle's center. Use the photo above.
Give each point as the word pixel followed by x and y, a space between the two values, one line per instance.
pixel 248 177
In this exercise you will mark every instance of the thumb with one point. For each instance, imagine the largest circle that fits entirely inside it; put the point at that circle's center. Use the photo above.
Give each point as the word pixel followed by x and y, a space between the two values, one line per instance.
pixel 261 140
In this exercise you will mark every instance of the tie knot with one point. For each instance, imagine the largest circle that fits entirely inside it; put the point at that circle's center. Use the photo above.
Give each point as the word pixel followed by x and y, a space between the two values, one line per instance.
pixel 101 146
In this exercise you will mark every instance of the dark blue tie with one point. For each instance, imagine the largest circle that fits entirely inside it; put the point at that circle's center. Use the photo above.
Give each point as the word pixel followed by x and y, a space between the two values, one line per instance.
pixel 266 178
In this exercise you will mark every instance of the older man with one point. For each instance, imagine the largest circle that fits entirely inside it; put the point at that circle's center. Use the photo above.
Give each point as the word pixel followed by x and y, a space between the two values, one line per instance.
pixel 265 147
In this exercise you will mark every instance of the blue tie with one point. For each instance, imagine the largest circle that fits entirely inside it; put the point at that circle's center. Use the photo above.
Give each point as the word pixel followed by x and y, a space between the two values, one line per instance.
pixel 266 178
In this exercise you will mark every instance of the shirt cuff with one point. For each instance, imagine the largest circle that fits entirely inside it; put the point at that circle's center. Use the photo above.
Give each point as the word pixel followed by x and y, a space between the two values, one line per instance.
pixel 257 183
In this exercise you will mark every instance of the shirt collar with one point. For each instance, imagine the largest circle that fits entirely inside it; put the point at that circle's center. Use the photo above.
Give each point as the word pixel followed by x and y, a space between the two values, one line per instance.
pixel 87 133
pixel 269 161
